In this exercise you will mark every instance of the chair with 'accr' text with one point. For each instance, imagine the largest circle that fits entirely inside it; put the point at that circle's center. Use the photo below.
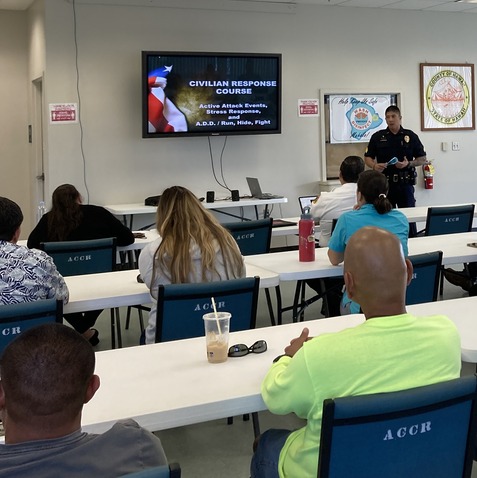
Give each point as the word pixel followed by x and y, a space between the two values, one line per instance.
pixel 180 308
pixel 87 257
pixel 424 285
pixel 16 318
pixel 448 220
pixel 254 237
pixel 427 431
pixel 172 470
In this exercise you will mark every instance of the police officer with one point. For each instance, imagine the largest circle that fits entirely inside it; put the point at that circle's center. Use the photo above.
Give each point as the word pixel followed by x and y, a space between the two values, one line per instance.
pixel 403 144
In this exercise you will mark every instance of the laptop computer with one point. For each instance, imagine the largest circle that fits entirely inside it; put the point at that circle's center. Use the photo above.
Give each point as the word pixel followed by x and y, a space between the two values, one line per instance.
pixel 305 201
pixel 256 190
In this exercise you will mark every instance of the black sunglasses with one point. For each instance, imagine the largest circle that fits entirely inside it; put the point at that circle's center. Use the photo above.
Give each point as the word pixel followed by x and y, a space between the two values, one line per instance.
pixel 239 350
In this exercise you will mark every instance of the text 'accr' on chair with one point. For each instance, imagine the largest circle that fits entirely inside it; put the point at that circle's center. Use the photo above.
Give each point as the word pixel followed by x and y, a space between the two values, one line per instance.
pixel 427 431
pixel 16 318
pixel 87 257
pixel 254 237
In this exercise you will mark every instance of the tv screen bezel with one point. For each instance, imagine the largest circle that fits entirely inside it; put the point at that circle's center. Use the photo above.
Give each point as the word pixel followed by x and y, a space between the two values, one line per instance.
pixel 181 134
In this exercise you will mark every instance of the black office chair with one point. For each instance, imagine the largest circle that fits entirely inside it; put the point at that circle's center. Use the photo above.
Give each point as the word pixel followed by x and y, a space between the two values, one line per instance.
pixel 254 237
pixel 16 318
pixel 426 431
pixel 180 308
pixel 448 220
pixel 87 257
pixel 172 470
pixel 424 285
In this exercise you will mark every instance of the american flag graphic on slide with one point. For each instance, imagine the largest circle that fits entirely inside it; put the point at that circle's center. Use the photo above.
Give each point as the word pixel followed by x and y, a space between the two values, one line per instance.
pixel 163 114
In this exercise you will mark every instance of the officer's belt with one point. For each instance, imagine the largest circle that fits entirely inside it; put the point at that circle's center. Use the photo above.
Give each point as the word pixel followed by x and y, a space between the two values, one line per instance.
pixel 407 176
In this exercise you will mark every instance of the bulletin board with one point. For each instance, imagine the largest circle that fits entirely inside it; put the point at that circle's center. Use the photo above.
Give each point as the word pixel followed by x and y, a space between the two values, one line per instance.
pixel 347 122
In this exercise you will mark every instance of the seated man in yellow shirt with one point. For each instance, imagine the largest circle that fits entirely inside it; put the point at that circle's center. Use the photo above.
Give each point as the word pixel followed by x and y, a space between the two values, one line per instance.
pixel 392 350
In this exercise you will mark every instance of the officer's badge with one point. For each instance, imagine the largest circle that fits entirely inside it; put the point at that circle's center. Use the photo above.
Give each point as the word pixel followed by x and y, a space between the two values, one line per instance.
pixel 407 139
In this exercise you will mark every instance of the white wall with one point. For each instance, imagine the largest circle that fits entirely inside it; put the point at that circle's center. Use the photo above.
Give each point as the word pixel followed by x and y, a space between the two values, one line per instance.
pixel 323 47
pixel 14 165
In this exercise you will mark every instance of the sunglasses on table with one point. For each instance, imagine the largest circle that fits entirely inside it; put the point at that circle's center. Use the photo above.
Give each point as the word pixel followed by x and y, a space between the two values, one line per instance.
pixel 239 350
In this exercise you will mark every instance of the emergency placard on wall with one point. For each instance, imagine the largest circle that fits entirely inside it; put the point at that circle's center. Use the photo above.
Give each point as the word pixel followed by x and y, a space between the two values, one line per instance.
pixel 63 113
pixel 308 108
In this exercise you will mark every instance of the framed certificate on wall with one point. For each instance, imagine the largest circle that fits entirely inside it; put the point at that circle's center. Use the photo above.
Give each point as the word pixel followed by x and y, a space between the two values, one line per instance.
pixel 447 96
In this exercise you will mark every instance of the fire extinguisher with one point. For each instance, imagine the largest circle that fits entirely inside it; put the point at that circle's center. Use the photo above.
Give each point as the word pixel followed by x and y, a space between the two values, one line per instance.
pixel 428 170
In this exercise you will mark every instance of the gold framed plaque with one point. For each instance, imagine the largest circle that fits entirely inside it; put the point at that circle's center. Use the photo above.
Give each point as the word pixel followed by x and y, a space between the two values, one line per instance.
pixel 447 96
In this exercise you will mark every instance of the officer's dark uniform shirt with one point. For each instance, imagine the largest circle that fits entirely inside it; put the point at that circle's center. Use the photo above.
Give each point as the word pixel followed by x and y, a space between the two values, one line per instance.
pixel 384 146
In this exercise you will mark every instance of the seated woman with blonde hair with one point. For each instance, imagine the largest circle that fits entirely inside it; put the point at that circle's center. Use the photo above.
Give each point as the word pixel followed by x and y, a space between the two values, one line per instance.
pixel 192 247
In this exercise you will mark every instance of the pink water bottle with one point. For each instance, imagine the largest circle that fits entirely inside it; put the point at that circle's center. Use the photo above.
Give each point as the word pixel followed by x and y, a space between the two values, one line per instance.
pixel 306 232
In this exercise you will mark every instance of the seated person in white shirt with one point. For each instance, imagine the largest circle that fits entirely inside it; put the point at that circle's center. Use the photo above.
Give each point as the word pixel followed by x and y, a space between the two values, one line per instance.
pixel 47 375
pixel 329 206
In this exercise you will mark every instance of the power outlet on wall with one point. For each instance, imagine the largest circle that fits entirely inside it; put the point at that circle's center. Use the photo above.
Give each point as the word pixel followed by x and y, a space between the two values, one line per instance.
pixel 455 146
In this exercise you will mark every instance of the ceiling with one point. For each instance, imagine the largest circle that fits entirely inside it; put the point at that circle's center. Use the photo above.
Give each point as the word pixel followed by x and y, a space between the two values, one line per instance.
pixel 423 5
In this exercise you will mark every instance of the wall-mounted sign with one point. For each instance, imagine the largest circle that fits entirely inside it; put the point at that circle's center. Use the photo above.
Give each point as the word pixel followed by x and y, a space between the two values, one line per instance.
pixel 354 118
pixel 308 108
pixel 63 113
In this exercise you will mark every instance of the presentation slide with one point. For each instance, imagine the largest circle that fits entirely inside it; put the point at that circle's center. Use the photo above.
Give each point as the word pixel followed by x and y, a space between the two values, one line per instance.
pixel 200 94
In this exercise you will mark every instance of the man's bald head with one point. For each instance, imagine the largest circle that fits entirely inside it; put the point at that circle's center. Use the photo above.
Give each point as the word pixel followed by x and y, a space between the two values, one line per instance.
pixel 376 271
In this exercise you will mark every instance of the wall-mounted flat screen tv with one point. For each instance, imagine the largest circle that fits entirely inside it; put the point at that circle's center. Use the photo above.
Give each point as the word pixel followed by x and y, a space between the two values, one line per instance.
pixel 208 94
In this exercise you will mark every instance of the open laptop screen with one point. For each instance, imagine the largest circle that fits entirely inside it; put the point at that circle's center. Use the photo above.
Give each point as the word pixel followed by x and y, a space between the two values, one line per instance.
pixel 305 201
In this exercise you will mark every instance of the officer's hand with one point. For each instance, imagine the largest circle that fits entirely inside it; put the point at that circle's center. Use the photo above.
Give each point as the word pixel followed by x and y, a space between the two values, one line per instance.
pixel 402 164
pixel 379 167
pixel 296 344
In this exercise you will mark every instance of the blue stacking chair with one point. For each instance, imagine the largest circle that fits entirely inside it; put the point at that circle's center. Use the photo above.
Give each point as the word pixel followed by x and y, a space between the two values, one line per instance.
pixel 87 257
pixel 254 237
pixel 16 318
pixel 427 431
pixel 448 220
pixel 173 470
pixel 424 285
pixel 180 308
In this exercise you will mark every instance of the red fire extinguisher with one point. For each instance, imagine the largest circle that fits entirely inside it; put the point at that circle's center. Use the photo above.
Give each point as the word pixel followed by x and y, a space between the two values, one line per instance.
pixel 428 170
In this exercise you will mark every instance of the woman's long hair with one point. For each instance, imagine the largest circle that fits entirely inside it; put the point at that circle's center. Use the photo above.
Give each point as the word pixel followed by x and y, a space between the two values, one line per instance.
pixel 181 222
pixel 65 215
pixel 374 187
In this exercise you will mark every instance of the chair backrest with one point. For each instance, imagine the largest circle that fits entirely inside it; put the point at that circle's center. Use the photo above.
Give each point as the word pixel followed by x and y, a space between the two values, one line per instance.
pixel 173 470
pixel 424 285
pixel 16 318
pixel 253 237
pixel 180 307
pixel 424 431
pixel 83 257
pixel 449 220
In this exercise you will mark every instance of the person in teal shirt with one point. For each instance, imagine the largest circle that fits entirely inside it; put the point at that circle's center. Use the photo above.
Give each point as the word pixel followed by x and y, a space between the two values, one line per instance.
pixel 392 350
pixel 373 208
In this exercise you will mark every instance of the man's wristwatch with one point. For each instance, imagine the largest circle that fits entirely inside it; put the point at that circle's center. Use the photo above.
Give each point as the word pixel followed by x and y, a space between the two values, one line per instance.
pixel 276 359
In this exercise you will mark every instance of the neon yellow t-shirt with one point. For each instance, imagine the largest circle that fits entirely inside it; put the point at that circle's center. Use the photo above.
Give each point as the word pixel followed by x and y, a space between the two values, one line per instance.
pixel 383 354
